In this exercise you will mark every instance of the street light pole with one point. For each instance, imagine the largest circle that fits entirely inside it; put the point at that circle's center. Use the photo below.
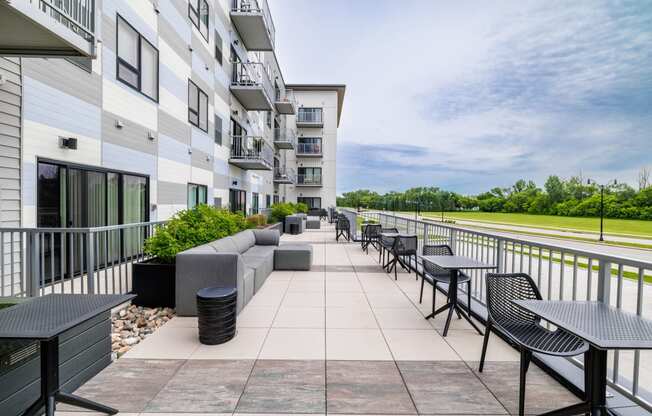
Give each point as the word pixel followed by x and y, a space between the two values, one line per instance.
pixel 591 182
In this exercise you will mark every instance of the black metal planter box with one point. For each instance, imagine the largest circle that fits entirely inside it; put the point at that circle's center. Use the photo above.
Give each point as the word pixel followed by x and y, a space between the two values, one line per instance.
pixel 154 284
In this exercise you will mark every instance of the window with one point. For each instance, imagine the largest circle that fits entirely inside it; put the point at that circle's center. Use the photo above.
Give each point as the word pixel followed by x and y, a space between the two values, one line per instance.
pixel 309 115
pixel 217 202
pixel 137 63
pixel 268 201
pixel 255 203
pixel 218 47
pixel 312 202
pixel 237 200
pixel 198 11
pixel 309 176
pixel 197 195
pixel 269 119
pixel 197 106
pixel 218 130
pixel 309 146
pixel 276 200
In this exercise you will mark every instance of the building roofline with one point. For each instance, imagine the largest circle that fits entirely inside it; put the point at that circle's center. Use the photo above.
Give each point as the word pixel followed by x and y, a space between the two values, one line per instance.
pixel 339 88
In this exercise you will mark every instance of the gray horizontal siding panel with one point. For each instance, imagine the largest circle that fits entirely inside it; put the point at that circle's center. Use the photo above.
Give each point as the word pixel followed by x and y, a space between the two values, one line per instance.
pixel 172 149
pixel 172 193
pixel 119 157
pixel 10 120
pixel 203 141
pixel 175 19
pixel 177 38
pixel 108 32
pixel 10 140
pixel 201 49
pixel 9 109
pixel 173 128
pixel 221 181
pixel 65 77
pixel 10 65
pixel 9 97
pixel 202 160
pixel 131 135
pixel 169 80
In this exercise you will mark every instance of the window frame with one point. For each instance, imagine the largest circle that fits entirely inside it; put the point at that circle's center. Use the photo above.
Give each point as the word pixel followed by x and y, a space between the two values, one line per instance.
pixel 199 94
pixel 219 57
pixel 218 132
pixel 138 71
pixel 197 187
pixel 195 15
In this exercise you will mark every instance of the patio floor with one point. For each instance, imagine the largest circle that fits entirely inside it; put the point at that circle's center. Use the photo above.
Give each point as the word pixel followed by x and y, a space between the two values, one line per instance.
pixel 344 338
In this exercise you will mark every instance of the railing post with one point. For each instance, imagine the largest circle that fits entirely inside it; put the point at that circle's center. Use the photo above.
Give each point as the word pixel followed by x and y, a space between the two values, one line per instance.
pixel 33 264
pixel 500 253
pixel 453 240
pixel 90 262
pixel 604 281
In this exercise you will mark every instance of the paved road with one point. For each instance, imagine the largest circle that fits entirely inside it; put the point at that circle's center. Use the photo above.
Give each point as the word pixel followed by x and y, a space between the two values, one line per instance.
pixel 632 253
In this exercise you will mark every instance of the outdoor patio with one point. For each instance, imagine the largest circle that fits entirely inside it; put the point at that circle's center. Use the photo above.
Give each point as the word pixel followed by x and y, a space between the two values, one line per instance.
pixel 344 338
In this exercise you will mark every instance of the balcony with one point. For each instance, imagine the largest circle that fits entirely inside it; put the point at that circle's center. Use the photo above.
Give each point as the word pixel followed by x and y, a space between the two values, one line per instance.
pixel 310 117
pixel 284 175
pixel 309 180
pixel 251 153
pixel 251 86
pixel 309 150
pixel 253 22
pixel 47 27
pixel 285 138
pixel 285 102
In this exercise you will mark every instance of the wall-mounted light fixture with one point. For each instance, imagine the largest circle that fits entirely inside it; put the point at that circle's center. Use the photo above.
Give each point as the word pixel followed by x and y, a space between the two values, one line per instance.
pixel 68 143
pixel 119 124
pixel 189 151
pixel 151 136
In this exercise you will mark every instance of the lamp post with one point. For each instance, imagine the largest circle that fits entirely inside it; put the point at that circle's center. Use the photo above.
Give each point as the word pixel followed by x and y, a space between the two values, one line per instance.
pixel 610 183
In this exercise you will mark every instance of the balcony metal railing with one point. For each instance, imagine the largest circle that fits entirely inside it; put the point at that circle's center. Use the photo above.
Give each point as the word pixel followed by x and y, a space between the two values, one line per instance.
pixel 561 273
pixel 309 116
pixel 285 174
pixel 76 15
pixel 309 180
pixel 285 96
pixel 39 261
pixel 309 149
pixel 252 148
pixel 252 74
pixel 257 6
pixel 285 136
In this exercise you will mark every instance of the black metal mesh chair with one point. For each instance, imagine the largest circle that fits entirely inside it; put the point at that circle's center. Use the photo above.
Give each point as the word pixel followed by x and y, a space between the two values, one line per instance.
pixel 385 244
pixel 342 228
pixel 434 274
pixel 523 328
pixel 371 235
pixel 403 247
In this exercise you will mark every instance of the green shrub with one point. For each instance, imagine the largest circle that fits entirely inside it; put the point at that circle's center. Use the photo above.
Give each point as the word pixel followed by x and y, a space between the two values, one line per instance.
pixel 301 207
pixel 192 228
pixel 282 210
pixel 257 220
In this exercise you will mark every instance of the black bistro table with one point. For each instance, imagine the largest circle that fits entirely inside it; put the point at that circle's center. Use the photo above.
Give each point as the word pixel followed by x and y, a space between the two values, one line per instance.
pixel 44 319
pixel 603 328
pixel 454 264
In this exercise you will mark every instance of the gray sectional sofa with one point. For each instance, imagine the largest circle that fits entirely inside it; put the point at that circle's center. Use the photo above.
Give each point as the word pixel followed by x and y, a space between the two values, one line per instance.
pixel 243 261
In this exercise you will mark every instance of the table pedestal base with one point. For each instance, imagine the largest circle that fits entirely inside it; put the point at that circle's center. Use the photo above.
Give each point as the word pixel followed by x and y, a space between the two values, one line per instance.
pixel 453 305
pixel 50 394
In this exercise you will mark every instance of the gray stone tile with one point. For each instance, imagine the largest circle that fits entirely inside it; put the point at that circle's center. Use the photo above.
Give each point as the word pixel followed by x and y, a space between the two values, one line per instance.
pixel 542 392
pixel 203 386
pixel 367 268
pixel 128 384
pixel 366 387
pixel 285 386
pixel 447 387
pixel 332 268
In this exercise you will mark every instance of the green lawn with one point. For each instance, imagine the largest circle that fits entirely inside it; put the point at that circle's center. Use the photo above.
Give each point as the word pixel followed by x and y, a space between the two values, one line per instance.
pixel 611 226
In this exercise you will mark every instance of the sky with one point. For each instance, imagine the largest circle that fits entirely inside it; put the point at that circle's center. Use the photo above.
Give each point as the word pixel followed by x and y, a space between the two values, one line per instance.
pixel 470 95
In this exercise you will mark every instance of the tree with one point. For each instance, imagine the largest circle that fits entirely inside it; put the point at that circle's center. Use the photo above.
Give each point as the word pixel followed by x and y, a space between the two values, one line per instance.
pixel 555 189
pixel 644 178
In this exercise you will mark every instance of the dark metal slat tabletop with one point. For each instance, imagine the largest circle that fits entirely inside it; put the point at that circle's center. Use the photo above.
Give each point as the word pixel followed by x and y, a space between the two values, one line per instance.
pixel 457 262
pixel 47 316
pixel 601 325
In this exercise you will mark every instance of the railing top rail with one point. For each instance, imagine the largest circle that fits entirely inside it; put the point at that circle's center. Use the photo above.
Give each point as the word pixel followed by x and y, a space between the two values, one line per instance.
pixel 624 260
pixel 78 229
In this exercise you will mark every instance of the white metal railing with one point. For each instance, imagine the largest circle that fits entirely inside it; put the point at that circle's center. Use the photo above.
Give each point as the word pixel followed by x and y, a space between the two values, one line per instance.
pixel 285 96
pixel 257 6
pixel 309 149
pixel 309 116
pixel 252 74
pixel 76 15
pixel 252 148
pixel 38 261
pixel 285 135
pixel 283 173
pixel 309 180
pixel 561 273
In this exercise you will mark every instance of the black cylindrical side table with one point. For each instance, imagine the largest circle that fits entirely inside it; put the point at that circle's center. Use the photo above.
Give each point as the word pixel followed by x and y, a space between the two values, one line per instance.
pixel 216 312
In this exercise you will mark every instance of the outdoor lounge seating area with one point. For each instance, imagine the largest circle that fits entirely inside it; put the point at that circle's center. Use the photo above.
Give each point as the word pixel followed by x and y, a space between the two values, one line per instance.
pixel 345 337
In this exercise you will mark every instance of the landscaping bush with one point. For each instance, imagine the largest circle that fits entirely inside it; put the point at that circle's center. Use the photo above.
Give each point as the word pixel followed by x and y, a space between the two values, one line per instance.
pixel 300 207
pixel 191 228
pixel 258 220
pixel 282 210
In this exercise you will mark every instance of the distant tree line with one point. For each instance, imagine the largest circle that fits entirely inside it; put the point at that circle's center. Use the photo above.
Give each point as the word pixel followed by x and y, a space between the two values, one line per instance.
pixel 572 197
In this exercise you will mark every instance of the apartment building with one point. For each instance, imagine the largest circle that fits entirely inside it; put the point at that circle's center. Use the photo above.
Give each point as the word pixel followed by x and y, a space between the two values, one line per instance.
pixel 166 105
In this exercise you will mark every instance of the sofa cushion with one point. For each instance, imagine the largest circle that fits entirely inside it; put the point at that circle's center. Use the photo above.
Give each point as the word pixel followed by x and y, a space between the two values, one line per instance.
pixel 224 245
pixel 267 237
pixel 262 266
pixel 244 240
pixel 294 256
pixel 260 251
